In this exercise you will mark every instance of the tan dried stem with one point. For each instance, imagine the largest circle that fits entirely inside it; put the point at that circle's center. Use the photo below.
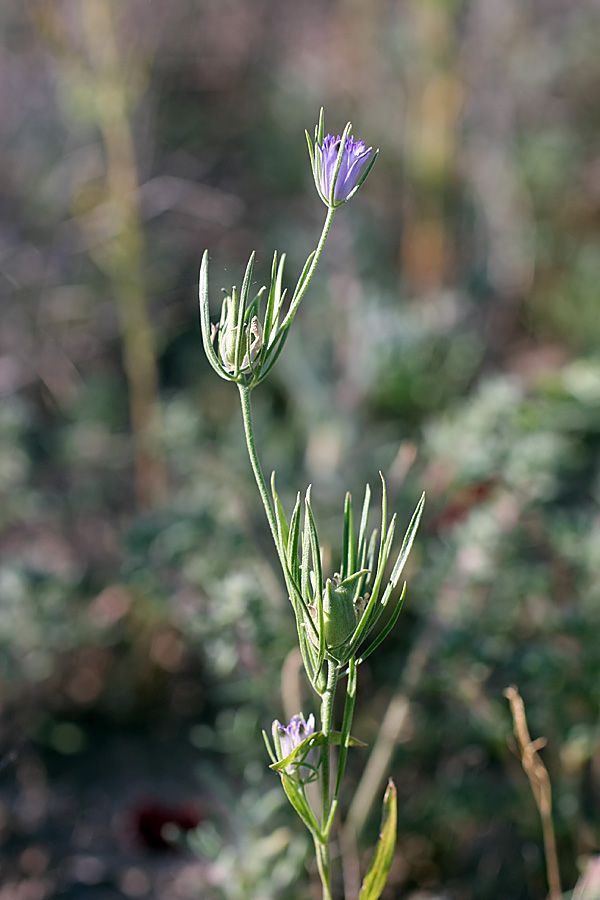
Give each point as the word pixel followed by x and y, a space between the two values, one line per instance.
pixel 540 785
pixel 83 37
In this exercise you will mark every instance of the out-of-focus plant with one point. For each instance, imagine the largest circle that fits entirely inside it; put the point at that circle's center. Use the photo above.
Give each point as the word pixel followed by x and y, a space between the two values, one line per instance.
pixel 101 81
pixel 509 590
pixel 335 616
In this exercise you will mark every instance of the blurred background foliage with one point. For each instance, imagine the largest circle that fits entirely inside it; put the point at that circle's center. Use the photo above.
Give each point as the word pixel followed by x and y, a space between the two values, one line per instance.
pixel 450 339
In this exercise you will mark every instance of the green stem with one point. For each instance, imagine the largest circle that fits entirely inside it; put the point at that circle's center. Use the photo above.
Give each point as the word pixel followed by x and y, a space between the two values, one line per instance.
pixel 302 287
pixel 345 743
pixel 326 722
pixel 257 469
pixel 322 854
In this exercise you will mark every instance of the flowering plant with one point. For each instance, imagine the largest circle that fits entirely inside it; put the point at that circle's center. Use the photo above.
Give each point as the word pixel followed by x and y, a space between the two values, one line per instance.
pixel 335 616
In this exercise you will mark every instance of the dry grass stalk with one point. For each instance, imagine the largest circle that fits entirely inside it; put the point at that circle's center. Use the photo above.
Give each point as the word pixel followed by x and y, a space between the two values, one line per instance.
pixel 540 785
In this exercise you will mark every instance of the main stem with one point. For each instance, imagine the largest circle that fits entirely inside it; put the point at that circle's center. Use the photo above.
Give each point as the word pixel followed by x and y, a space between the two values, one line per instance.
pixel 321 846
pixel 326 723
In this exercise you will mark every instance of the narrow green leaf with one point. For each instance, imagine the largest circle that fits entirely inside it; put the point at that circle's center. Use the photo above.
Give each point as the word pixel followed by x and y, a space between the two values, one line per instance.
pixel 376 877
pixel 407 543
pixel 279 297
pixel 314 544
pixel 316 563
pixel 246 282
pixel 361 552
pixel 298 753
pixel 305 566
pixel 311 154
pixel 268 746
pixel 383 510
pixel 240 335
pixel 292 546
pixel 348 540
pixel 306 651
pixel 272 300
pixel 372 551
pixel 320 129
pixel 205 318
pixel 272 354
pixel 335 737
pixel 282 527
pixel 385 630
pixel 367 621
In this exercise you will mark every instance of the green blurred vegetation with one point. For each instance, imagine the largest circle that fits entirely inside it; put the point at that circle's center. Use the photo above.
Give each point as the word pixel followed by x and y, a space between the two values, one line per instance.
pixel 450 339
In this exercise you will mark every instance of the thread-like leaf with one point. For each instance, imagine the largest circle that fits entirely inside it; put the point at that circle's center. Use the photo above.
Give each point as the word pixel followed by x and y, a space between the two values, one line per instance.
pixel 282 526
pixel 348 540
pixel 407 543
pixel 316 562
pixel 205 325
pixel 385 630
pixel 292 546
pixel 361 551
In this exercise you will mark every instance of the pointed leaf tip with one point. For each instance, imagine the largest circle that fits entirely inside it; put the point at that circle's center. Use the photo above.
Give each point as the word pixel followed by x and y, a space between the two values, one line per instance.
pixel 376 877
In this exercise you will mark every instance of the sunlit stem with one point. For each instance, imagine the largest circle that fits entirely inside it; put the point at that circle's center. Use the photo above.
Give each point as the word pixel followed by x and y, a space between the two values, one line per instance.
pixel 257 469
pixel 302 286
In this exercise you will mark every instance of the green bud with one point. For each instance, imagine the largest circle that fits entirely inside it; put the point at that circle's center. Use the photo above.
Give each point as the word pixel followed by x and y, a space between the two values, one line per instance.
pixel 252 339
pixel 339 616
pixel 228 333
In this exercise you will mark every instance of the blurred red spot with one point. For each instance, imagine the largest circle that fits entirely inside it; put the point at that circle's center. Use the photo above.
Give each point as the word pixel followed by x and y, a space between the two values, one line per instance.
pixel 152 822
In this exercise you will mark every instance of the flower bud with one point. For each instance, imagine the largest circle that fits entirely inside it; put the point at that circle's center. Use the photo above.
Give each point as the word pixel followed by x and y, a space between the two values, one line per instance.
pixel 255 342
pixel 252 339
pixel 339 616
pixel 228 333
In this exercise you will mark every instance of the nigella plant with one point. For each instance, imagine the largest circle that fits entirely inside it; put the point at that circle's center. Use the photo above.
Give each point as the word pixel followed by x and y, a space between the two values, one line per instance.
pixel 336 615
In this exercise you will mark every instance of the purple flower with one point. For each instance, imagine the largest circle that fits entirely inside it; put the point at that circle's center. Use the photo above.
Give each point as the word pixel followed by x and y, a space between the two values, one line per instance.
pixel 288 738
pixel 353 159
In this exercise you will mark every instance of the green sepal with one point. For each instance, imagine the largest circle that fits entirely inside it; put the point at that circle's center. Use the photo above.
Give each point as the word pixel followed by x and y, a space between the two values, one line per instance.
pixel 363 177
pixel 317 739
pixel 207 335
pixel 297 799
pixel 335 737
pixel 376 877
pixel 268 746
pixel 338 165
